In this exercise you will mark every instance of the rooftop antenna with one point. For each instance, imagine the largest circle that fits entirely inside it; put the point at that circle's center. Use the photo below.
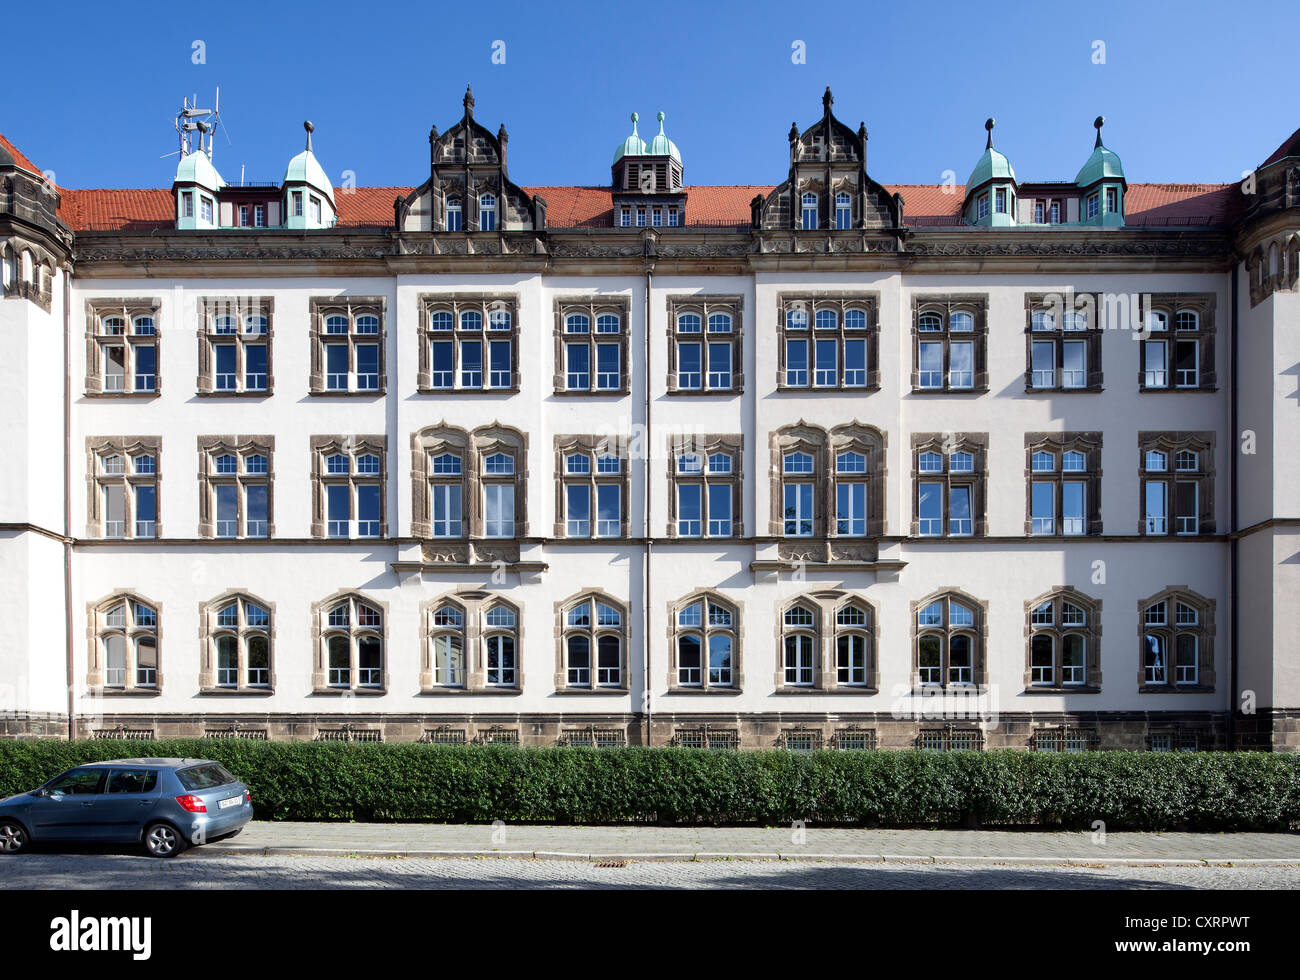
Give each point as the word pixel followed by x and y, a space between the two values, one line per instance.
pixel 192 119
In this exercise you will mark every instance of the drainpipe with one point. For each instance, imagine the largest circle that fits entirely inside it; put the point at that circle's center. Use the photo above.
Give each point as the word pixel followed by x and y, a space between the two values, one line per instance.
pixel 1234 543
pixel 67 500
pixel 647 455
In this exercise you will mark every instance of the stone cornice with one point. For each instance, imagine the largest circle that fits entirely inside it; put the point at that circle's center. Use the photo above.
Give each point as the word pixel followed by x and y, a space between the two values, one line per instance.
pixel 375 251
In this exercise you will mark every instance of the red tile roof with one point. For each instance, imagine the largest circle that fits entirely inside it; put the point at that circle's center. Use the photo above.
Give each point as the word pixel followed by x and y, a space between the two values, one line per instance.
pixel 1290 148
pixel 706 206
pixel 20 158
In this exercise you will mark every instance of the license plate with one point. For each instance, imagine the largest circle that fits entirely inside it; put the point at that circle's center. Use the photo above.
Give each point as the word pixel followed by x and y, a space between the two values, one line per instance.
pixel 233 801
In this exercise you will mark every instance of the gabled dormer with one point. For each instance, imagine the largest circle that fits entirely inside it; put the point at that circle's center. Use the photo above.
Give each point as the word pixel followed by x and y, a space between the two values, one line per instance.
pixel 827 186
pixel 1101 186
pixel 308 195
pixel 647 181
pixel 992 189
pixel 195 190
pixel 469 188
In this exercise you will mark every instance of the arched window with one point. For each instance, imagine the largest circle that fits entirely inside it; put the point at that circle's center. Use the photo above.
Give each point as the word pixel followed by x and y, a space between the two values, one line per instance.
pixel 454 214
pixel 501 645
pixel 487 212
pixel 29 267
pixel 949 641
pixel 853 628
pixel 237 654
pixel 352 644
pixel 799 644
pixel 1177 642
pixel 843 211
pixel 447 645
pixel 593 644
pixel 125 656
pixel 706 643
pixel 1063 637
pixel 809 212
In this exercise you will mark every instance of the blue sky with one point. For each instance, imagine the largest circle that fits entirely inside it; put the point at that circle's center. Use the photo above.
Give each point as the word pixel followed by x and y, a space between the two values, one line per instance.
pixel 1191 91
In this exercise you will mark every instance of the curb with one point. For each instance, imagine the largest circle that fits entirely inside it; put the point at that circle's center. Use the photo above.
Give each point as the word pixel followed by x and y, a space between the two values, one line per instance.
pixel 247 850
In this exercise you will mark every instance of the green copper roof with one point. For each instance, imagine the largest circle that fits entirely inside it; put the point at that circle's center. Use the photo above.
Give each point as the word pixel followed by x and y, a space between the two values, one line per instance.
pixel 661 145
pixel 1103 164
pixel 633 146
pixel 197 168
pixel 992 166
pixel 306 169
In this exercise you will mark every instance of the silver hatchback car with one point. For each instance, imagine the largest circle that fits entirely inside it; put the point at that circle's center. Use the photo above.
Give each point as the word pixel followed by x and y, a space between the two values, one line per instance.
pixel 166 803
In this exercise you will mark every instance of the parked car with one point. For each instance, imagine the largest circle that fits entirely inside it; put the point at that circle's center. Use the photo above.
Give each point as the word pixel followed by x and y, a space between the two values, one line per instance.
pixel 166 803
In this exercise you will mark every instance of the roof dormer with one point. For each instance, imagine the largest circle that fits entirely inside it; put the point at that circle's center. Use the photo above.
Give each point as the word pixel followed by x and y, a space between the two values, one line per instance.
pixel 195 189
pixel 1102 185
pixel 308 195
pixel 992 188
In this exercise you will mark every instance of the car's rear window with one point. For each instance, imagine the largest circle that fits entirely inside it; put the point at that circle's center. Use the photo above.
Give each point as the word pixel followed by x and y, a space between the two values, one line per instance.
pixel 204 777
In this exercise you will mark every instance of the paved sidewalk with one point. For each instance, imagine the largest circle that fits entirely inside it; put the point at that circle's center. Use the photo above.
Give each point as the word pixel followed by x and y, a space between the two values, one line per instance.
pixel 979 847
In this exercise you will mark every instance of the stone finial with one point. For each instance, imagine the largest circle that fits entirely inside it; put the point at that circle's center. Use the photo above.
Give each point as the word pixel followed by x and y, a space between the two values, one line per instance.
pixel 310 129
pixel 827 101
pixel 502 135
pixel 468 102
pixel 794 132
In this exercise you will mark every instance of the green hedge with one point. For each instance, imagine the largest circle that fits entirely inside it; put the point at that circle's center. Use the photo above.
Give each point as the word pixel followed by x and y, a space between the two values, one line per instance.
pixel 410 782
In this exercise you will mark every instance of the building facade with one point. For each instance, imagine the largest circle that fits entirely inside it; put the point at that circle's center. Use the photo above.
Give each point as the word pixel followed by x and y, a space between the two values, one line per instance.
pixel 820 464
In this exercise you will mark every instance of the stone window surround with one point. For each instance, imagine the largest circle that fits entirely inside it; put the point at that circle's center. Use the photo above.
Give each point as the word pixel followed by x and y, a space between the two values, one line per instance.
pixel 351 446
pixel 1205 630
pixel 704 445
pixel 1203 305
pixel 457 303
pixel 240 446
pixel 561 677
pixel 96 664
pixel 705 305
pixel 127 446
pixel 946 443
pixel 1091 629
pixel 976 304
pixel 1059 443
pixel 593 305
pixel 825 631
pixel 1170 442
pixel 824 446
pixel 351 307
pixel 208 632
pixel 1054 303
pixel 979 630
pixel 474 605
pixel 593 446
pixel 1260 279
pixel 841 302
pixel 473 447
pixel 40 287
pixel 210 307
pixel 130 308
pixel 737 609
pixel 320 628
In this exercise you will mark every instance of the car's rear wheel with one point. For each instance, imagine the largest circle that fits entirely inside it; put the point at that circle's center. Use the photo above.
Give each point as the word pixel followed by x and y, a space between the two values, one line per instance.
pixel 162 840
pixel 13 837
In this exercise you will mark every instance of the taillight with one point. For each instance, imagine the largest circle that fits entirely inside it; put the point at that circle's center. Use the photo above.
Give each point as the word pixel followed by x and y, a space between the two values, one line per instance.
pixel 248 797
pixel 192 803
